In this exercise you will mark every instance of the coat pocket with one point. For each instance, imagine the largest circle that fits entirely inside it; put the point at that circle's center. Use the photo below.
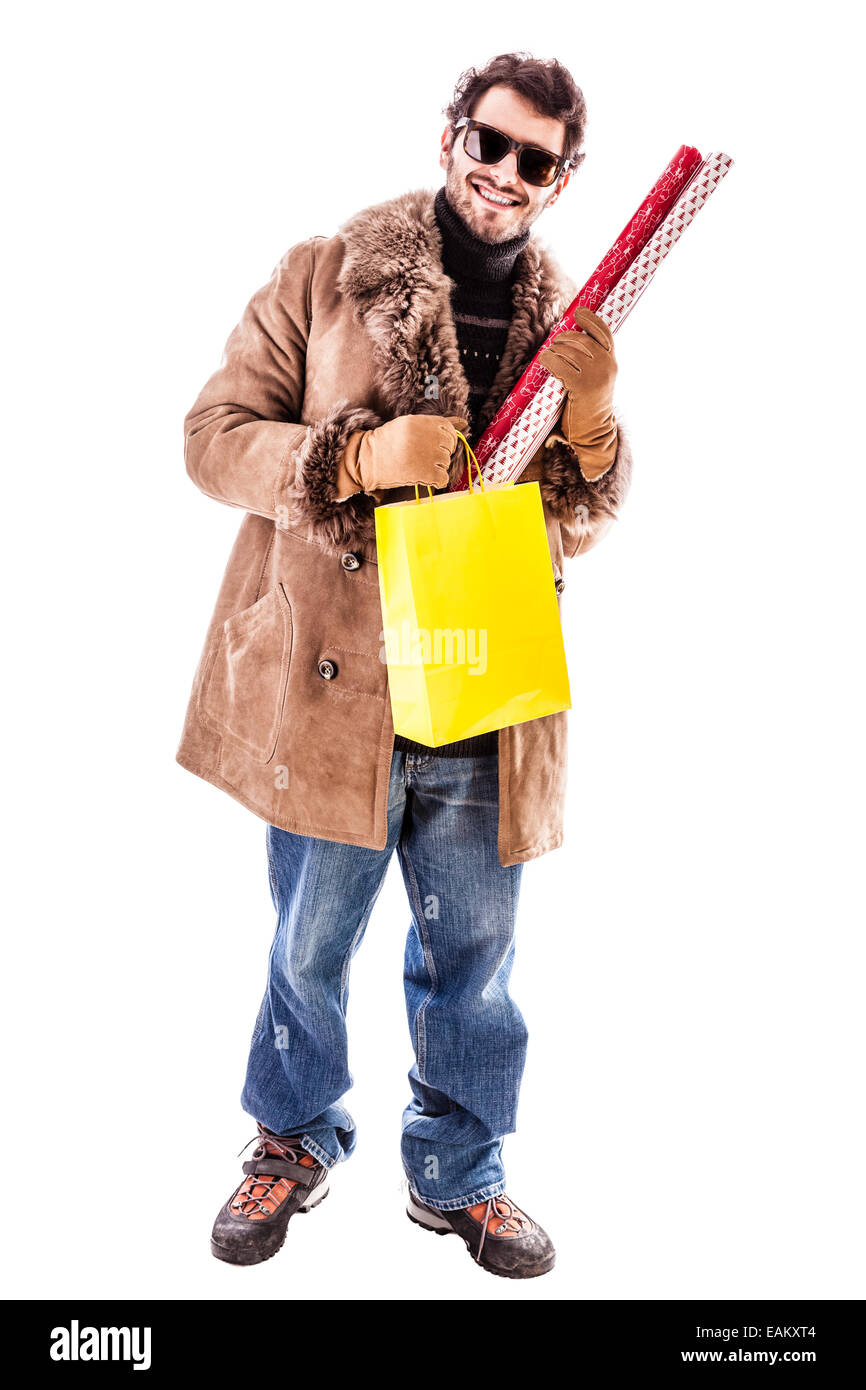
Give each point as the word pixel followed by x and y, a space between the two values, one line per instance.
pixel 244 692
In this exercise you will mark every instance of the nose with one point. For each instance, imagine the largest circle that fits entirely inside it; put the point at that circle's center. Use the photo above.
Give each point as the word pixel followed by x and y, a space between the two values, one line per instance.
pixel 507 168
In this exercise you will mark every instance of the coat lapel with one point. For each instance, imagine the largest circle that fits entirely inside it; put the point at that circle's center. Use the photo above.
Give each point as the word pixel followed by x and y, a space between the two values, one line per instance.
pixel 392 275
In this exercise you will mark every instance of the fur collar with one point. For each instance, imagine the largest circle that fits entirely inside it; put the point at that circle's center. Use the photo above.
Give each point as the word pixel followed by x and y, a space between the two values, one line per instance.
pixel 392 274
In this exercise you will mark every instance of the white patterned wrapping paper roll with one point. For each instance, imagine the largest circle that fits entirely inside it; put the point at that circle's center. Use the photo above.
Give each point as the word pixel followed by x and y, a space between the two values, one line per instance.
pixel 537 419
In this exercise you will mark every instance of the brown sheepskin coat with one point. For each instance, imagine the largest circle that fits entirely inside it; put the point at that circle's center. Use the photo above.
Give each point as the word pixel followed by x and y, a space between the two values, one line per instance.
pixel 347 334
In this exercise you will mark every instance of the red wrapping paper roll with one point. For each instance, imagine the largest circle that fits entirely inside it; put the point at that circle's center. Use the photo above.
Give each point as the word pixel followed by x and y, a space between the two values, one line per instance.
pixel 625 250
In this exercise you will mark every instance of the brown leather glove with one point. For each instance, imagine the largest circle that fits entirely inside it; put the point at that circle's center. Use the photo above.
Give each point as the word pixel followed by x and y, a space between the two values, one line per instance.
pixel 586 366
pixel 409 449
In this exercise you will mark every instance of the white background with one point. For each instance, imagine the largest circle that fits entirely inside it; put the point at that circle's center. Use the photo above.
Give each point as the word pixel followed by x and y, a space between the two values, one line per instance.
pixel 690 964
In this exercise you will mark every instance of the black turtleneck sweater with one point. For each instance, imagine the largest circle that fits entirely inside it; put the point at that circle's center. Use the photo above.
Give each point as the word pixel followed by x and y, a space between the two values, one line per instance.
pixel 483 275
pixel 481 303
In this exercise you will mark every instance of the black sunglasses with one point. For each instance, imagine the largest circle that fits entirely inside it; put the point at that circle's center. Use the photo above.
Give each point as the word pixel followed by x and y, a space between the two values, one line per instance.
pixel 488 145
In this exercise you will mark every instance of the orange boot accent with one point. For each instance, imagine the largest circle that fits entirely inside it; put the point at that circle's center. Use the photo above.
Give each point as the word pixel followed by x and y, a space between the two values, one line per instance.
pixel 507 1222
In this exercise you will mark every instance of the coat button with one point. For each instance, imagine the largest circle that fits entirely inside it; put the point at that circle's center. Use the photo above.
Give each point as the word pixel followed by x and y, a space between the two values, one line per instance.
pixel 350 561
pixel 560 585
pixel 328 669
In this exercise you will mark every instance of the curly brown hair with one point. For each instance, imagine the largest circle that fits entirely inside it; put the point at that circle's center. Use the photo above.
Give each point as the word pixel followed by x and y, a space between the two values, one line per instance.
pixel 545 84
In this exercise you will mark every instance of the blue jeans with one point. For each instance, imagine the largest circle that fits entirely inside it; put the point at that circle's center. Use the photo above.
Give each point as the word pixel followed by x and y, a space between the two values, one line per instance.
pixel 468 1034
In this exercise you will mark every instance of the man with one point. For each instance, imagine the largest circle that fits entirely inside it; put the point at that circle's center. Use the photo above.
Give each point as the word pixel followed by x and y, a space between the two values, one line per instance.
pixel 341 388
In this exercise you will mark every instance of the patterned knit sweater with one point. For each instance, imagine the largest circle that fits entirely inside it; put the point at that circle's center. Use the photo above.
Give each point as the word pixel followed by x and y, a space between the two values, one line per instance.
pixel 481 304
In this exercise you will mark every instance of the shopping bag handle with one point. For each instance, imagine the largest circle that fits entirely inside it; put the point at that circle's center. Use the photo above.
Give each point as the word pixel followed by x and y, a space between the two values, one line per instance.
pixel 470 456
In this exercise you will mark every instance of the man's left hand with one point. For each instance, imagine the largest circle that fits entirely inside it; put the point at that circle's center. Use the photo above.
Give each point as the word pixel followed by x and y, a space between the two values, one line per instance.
pixel 586 366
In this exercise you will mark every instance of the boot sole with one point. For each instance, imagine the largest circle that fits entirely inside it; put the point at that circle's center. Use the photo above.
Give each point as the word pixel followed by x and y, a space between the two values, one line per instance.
pixel 440 1227
pixel 252 1257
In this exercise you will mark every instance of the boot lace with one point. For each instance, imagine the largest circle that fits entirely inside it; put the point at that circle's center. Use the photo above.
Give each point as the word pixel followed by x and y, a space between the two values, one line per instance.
pixel 512 1219
pixel 286 1146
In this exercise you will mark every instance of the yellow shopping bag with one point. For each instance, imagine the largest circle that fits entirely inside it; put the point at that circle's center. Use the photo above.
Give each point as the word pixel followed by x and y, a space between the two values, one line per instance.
pixel 470 620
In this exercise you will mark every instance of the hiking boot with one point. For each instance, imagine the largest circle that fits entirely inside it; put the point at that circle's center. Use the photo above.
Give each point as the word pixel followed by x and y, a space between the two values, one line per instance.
pixel 282 1179
pixel 501 1237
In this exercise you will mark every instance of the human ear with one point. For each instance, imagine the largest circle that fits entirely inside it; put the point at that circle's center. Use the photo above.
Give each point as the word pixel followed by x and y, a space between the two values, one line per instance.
pixel 445 146
pixel 559 190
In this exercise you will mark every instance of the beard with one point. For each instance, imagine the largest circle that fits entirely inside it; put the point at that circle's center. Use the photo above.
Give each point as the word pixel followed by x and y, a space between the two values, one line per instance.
pixel 463 201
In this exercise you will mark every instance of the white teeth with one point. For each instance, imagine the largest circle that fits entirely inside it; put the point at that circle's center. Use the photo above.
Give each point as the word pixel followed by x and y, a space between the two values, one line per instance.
pixel 492 198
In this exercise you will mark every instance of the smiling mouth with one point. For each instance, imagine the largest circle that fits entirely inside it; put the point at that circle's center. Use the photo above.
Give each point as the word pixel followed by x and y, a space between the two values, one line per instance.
pixel 492 202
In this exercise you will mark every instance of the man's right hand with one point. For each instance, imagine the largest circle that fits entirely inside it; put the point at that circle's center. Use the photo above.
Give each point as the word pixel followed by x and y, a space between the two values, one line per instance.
pixel 410 449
